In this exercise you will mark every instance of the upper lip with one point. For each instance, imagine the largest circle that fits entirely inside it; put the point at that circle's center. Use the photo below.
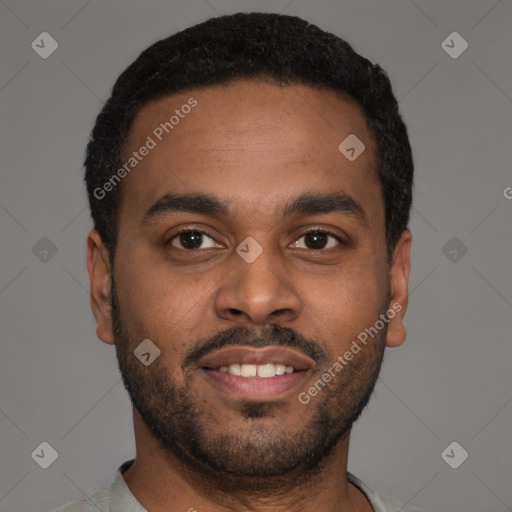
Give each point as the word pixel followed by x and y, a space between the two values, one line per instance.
pixel 250 355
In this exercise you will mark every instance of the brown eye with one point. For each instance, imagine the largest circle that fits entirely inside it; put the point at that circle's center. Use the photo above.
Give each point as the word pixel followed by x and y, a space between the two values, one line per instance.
pixel 319 239
pixel 190 239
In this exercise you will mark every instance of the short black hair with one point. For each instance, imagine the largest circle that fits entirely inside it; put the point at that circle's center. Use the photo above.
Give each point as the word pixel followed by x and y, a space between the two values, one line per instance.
pixel 283 49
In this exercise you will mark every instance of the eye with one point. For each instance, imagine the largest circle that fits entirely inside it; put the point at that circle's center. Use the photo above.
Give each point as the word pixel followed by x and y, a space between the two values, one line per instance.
pixel 317 238
pixel 191 239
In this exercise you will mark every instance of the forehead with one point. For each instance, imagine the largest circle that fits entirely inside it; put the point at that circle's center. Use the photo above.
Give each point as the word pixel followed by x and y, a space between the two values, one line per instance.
pixel 252 143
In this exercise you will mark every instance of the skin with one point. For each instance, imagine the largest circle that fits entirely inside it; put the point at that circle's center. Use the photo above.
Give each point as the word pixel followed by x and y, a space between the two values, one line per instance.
pixel 256 146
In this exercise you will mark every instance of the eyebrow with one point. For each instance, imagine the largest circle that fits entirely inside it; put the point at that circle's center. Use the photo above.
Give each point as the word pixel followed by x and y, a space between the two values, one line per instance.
pixel 305 204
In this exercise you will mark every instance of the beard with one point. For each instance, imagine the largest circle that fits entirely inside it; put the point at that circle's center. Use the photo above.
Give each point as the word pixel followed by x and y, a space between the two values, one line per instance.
pixel 265 452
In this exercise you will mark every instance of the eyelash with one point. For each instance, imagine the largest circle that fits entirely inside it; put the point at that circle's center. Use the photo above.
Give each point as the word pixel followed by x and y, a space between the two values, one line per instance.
pixel 313 230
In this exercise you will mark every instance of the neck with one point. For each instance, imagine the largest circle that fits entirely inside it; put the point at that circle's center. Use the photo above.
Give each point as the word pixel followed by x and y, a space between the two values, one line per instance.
pixel 159 480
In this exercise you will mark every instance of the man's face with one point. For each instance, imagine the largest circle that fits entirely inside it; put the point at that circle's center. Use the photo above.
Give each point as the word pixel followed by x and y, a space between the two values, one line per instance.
pixel 255 148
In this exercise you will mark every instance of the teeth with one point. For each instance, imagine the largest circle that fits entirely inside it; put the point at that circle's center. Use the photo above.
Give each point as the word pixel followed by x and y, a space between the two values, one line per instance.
pixel 260 370
pixel 280 369
pixel 248 370
pixel 234 369
pixel 266 370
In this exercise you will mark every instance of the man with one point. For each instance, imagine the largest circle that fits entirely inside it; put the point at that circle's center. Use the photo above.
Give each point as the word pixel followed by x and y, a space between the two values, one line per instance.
pixel 250 185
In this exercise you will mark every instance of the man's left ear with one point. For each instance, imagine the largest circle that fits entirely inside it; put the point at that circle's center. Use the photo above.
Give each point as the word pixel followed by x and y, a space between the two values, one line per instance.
pixel 400 270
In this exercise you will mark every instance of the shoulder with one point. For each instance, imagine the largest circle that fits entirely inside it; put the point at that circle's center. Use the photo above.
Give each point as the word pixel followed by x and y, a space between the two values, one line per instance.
pixel 388 504
pixel 98 501
pixel 380 502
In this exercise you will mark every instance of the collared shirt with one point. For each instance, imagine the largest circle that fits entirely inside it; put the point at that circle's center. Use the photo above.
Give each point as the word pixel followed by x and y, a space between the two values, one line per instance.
pixel 119 498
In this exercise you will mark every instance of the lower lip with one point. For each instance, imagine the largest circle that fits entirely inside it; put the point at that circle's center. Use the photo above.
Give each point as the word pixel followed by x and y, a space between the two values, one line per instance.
pixel 256 387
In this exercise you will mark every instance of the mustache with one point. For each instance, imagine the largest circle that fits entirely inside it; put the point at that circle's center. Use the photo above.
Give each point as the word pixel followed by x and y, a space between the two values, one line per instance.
pixel 271 335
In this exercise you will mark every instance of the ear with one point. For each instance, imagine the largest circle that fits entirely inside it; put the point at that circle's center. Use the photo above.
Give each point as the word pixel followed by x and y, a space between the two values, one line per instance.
pixel 100 280
pixel 400 270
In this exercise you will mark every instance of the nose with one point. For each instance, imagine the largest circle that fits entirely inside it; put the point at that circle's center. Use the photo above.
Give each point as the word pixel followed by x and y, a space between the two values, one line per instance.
pixel 257 293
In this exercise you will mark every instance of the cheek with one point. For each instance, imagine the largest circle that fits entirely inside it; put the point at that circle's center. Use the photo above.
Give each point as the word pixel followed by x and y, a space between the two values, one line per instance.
pixel 348 302
pixel 165 304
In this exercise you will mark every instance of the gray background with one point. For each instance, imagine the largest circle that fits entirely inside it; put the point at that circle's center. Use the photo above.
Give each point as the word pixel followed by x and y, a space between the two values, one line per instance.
pixel 450 381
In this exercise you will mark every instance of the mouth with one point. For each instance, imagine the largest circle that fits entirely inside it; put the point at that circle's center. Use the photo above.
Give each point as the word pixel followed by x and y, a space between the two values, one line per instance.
pixel 251 373
pixel 263 371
